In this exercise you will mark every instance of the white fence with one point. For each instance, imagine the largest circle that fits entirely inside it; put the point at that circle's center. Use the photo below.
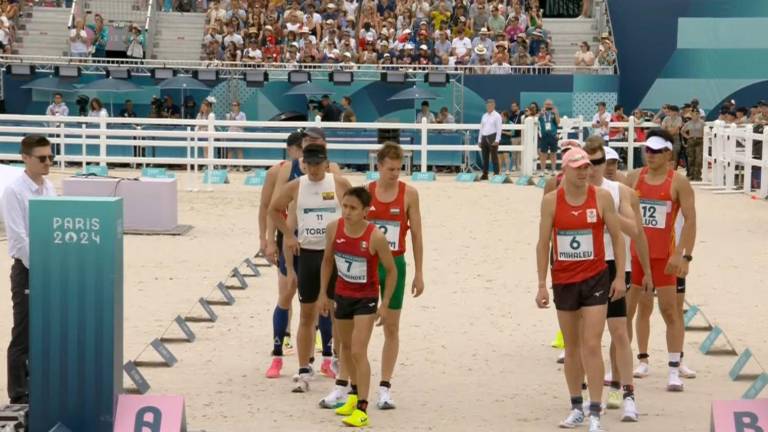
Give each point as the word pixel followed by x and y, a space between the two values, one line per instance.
pixel 734 159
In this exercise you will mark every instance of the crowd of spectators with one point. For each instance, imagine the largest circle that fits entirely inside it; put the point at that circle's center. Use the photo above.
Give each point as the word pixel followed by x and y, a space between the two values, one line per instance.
pixel 491 36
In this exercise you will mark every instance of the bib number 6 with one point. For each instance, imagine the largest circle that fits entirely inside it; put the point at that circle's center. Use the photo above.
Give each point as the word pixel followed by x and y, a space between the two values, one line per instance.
pixel 575 244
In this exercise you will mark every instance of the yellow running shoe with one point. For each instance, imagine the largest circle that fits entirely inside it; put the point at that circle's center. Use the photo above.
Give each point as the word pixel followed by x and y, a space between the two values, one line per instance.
pixel 614 399
pixel 357 419
pixel 558 342
pixel 349 406
pixel 318 342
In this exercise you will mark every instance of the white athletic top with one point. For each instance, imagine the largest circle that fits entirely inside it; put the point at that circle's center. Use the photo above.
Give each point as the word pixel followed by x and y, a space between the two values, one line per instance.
pixel 614 188
pixel 317 206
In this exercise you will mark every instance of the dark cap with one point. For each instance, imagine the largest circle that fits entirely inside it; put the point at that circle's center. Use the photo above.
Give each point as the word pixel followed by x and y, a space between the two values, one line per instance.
pixel 295 139
pixel 600 104
pixel 325 96
pixel 315 154
pixel 618 107
pixel 314 132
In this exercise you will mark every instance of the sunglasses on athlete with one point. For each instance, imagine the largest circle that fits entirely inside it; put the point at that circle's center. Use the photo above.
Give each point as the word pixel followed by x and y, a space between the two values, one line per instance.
pixel 655 151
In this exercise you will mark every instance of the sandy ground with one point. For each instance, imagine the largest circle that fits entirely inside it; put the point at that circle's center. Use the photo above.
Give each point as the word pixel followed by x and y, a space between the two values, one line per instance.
pixel 475 351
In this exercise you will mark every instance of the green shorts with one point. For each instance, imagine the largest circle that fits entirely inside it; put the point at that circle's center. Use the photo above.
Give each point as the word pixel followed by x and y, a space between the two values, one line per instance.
pixel 396 302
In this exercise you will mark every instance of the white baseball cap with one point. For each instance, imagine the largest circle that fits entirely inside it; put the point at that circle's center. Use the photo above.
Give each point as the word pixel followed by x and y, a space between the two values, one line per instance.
pixel 658 143
pixel 611 154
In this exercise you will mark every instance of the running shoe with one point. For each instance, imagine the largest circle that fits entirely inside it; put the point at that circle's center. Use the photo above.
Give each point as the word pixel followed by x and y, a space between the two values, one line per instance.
pixel 674 384
pixel 574 419
pixel 594 424
pixel 301 382
pixel 275 367
pixel 326 368
pixel 614 399
pixel 335 365
pixel 561 357
pixel 385 399
pixel 349 406
pixel 287 345
pixel 358 418
pixel 318 342
pixel 630 411
pixel 642 370
pixel 685 372
pixel 335 398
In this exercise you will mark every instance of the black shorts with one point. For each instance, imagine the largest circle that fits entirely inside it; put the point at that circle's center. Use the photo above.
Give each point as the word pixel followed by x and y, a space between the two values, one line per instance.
pixel 681 285
pixel 618 308
pixel 590 292
pixel 348 307
pixel 309 276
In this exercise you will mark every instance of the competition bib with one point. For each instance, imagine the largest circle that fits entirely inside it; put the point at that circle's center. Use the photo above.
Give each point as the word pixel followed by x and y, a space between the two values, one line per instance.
pixel 654 213
pixel 576 245
pixel 315 221
pixel 547 126
pixel 351 268
pixel 391 230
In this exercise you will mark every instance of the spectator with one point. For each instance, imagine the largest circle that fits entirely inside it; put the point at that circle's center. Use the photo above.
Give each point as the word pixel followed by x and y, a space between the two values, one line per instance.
pixel 489 137
pixel 442 15
pixel 502 52
pixel 216 12
pixel 206 113
pixel 506 139
pixel 96 109
pixel 672 124
pixel 536 42
pixel 135 43
pixel 6 34
pixel 515 118
pixel 442 49
pixel 329 111
pixel 514 28
pixel 425 113
pixel 232 54
pixel 693 132
pixel 478 20
pixel 522 58
pixel 549 121
pixel 584 56
pixel 741 116
pixel 127 111
pixel 233 37
pixel 600 121
pixel 484 41
pixel 607 54
pixel 544 59
pixel 499 66
pixel 252 54
pixel 496 23
pixel 461 48
pixel 444 117
pixel 236 115
pixel 100 37
pixel 695 106
pixel 190 108
pixel 58 107
pixel 617 134
pixel 521 16
pixel 78 40
pixel 170 110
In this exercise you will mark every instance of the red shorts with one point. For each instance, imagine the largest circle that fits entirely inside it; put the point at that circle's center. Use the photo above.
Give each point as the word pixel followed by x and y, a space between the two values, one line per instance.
pixel 660 279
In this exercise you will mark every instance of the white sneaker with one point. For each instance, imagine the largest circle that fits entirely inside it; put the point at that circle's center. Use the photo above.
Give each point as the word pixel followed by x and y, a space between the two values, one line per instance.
pixel 594 424
pixel 642 370
pixel 561 357
pixel 335 365
pixel 630 411
pixel 685 372
pixel 674 384
pixel 574 419
pixel 335 398
pixel 385 399
pixel 301 382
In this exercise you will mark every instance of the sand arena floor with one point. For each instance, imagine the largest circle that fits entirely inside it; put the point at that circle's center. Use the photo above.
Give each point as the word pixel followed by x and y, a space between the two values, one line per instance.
pixel 475 351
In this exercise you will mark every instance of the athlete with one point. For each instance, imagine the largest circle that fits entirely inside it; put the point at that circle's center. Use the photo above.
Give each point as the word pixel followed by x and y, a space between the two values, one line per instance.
pixel 288 172
pixel 316 203
pixel 573 219
pixel 271 246
pixel 662 193
pixel 358 249
pixel 620 349
pixel 612 166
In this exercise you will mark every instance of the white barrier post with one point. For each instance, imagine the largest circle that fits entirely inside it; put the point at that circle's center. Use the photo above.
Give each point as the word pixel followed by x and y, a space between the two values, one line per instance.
pixel 61 145
pixel 423 144
pixel 102 141
pixel 529 146
pixel 211 148
pixel 631 144
pixel 83 145
pixel 706 158
pixel 764 164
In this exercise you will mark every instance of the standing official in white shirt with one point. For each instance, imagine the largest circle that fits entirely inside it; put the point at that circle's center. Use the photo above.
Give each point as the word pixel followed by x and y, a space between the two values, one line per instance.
pixel 489 137
pixel 38 157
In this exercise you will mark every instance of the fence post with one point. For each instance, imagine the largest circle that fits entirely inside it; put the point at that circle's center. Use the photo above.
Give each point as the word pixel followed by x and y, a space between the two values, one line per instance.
pixel 84 146
pixel 529 146
pixel 423 127
pixel 211 148
pixel 102 141
pixel 631 144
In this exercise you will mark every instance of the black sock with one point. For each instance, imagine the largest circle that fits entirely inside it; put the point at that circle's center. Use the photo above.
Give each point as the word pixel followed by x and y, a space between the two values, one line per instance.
pixel 287 334
pixel 305 370
pixel 595 408
pixel 577 403
pixel 615 385
pixel 385 384
pixel 643 356
pixel 629 391
pixel 311 360
pixel 362 405
pixel 681 356
pixel 353 389
pixel 583 386
pixel 342 383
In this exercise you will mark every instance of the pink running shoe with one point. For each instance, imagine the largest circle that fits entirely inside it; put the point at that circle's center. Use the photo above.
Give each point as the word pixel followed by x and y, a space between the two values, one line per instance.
pixel 327 369
pixel 274 368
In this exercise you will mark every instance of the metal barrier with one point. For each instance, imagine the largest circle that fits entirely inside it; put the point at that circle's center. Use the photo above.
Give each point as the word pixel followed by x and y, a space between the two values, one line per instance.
pixel 734 159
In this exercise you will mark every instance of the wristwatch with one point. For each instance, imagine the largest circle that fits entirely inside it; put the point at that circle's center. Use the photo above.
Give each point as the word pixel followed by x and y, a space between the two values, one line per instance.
pixel 688 258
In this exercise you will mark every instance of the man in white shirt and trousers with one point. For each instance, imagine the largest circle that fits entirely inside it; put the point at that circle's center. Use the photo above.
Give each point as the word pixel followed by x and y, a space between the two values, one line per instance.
pixel 489 137
pixel 38 158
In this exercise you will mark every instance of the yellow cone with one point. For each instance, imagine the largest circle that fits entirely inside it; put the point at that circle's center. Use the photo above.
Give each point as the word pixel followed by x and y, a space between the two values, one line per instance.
pixel 558 343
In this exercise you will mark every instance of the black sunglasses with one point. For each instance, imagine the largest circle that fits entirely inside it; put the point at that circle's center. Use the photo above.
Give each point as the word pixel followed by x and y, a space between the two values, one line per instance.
pixel 42 159
pixel 597 162
pixel 654 151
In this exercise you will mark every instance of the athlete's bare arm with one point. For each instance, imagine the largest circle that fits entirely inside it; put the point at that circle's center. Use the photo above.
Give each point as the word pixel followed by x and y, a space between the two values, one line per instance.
pixel 641 245
pixel 279 205
pixel 267 243
pixel 342 185
pixel 326 269
pixel 631 179
pixel 542 247
pixel 550 185
pixel 413 209
pixel 283 173
pixel 626 214
pixel 681 187
pixel 380 245
pixel 613 224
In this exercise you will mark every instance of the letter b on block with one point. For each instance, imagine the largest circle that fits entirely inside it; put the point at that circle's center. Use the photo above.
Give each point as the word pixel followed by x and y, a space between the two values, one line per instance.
pixel 745 421
pixel 148 419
